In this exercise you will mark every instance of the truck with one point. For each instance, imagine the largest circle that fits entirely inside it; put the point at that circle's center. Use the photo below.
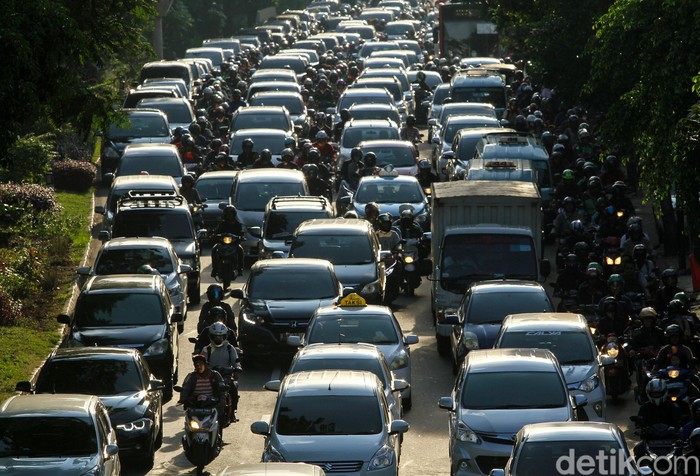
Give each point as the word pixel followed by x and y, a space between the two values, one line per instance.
pixel 464 29
pixel 481 230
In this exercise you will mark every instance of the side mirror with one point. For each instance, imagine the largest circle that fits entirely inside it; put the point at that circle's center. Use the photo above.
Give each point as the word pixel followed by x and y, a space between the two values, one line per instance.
pixel 104 235
pixel 497 472
pixel 177 388
pixel 330 111
pixel 108 177
pixel 24 386
pixel 201 234
pixel 177 317
pixel 63 319
pixel 384 255
pixel 435 140
pixel 272 385
pixel 451 319
pixel 446 403
pixel 260 428
pixel 432 122
pixel 294 341
pixel 606 360
pixel 185 268
pixel 192 340
pixel 111 451
pixel 83 271
pixel 279 254
pixel 237 293
pixel 100 209
pixel 156 385
pixel 410 340
pixel 345 200
pixel 398 426
pixel 255 231
pixel 223 205
pixel 399 385
pixel 545 268
pixel 580 400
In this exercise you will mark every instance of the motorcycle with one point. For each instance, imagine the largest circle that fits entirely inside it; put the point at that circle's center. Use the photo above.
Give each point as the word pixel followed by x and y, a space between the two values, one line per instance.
pixel 660 442
pixel 227 255
pixel 393 271
pixel 202 440
pixel 197 212
pixel 677 382
pixel 230 376
pixel 411 273
pixel 617 379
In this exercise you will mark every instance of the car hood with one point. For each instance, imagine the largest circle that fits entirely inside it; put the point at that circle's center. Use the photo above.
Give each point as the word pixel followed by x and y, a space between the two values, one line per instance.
pixel 48 466
pixel 327 448
pixel 291 309
pixel 185 248
pixel 393 208
pixel 133 337
pixel 125 407
pixel 250 218
pixel 486 333
pixel 356 274
pixel 577 373
pixel 121 144
pixel 277 245
pixel 509 422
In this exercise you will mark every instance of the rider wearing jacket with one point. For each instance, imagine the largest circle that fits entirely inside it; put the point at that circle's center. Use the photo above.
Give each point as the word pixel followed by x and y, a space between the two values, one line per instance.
pixel 201 385
pixel 223 358
pixel 215 296
pixel 229 225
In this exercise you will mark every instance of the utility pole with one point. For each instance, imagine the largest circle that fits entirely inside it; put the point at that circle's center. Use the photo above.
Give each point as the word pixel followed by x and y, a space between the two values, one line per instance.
pixel 162 8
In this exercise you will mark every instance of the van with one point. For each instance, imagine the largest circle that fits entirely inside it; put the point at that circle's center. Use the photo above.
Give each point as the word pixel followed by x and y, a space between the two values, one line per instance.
pixel 487 169
pixel 478 85
pixel 167 69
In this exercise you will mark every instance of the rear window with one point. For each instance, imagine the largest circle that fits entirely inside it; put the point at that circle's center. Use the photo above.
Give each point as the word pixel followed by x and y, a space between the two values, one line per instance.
pixel 154 165
pixel 338 249
pixel 135 127
pixel 129 260
pixel 294 104
pixel 570 348
pixel 378 330
pixel 295 64
pixel 253 196
pixel 396 156
pixel 492 308
pixel 165 71
pixel 118 309
pixel 273 143
pixel 171 225
pixel 176 112
pixel 495 96
pixel 376 114
pixel 348 100
pixel 329 415
pixel 274 283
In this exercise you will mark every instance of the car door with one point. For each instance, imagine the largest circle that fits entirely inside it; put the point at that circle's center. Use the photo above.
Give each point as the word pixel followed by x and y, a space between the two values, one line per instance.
pixel 172 326
pixel 106 435
pixel 457 333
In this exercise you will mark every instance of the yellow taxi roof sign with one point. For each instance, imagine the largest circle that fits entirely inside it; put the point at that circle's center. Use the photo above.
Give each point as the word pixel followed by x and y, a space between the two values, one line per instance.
pixel 353 300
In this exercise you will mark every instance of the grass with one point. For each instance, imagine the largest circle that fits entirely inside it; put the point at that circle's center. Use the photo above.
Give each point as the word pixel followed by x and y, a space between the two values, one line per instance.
pixel 77 206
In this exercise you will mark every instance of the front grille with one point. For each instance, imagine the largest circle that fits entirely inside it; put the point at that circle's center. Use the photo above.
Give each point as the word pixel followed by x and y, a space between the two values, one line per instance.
pixel 487 463
pixel 338 466
pixel 498 439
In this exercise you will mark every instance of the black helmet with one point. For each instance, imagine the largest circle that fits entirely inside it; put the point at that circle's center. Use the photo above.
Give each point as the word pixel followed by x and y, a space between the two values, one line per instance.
pixel 640 251
pixel 287 153
pixel 569 201
pixel 674 330
pixel 356 152
pixel 215 292
pixel 407 215
pixel 609 302
pixel 411 120
pixel 350 215
pixel 230 211
pixel 266 155
pixel 314 154
pixel 290 142
pixel 187 179
pixel 310 170
pixel 215 144
pixel 420 76
pixel 676 306
pixel 424 164
pixel 619 187
pixel 372 208
pixel 247 142
pixel 217 313
pixel 370 159
pixel 669 273
pixel 385 221
pixel 571 261
pixel 344 115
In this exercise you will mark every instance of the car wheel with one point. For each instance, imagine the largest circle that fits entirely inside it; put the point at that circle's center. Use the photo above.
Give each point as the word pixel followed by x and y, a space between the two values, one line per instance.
pixel 443 345
pixel 168 390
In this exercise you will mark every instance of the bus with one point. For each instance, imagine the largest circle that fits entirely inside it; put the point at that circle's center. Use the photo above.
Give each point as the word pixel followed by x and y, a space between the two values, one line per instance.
pixel 465 29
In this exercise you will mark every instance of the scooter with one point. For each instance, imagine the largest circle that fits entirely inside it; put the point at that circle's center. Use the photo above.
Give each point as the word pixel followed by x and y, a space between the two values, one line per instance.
pixel 394 275
pixel 617 379
pixel 677 382
pixel 660 442
pixel 411 273
pixel 227 256
pixel 202 440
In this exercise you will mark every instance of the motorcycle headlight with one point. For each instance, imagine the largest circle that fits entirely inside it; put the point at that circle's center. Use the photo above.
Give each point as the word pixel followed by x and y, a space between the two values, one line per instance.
pixel 674 373
pixel 136 425
pixel 383 458
pixel 111 153
pixel 400 361
pixel 464 433
pixel 271 455
pixel 194 425
pixel 159 347
pixel 613 352
pixel 590 384
pixel 227 240
pixel 370 288
pixel 408 259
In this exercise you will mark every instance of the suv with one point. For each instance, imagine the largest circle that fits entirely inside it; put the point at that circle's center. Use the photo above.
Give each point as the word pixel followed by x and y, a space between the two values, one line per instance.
pixel 148 214
pixel 316 410
pixel 478 85
pixel 356 131
pixel 353 248
pixel 178 110
pixel 150 159
pixel 282 216
pixel 133 311
pixel 263 117
pixel 141 126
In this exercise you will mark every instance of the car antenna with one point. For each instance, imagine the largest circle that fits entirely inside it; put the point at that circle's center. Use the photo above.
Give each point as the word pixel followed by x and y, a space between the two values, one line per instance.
pixel 340 334
pixel 331 382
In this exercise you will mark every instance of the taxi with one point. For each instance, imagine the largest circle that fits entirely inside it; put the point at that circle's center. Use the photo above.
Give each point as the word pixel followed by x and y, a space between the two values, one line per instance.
pixel 391 191
pixel 352 320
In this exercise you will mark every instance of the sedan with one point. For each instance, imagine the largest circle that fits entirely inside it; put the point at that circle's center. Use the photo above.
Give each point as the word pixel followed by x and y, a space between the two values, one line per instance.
pixel 291 100
pixel 150 159
pixel 443 142
pixel 401 155
pixel 124 383
pixel 214 187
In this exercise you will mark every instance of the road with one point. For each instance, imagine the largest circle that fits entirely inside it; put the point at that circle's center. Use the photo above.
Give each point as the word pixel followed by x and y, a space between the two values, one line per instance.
pixel 424 450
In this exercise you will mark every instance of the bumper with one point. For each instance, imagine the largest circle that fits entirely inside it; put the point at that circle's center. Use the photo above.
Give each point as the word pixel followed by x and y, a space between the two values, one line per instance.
pixel 477 460
pixel 256 339
pixel 595 408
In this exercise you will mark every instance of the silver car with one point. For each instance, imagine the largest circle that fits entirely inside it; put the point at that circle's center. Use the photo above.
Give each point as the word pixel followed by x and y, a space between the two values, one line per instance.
pixel 336 419
pixel 497 391
pixel 570 340
pixel 372 324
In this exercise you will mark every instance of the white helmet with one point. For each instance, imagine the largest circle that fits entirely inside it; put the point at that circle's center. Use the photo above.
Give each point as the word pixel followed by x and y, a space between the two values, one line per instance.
pixel 218 333
pixel 657 391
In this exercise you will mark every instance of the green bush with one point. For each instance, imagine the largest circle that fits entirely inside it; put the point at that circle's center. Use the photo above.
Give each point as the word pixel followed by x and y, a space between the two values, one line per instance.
pixel 28 159
pixel 75 175
pixel 69 145
pixel 10 309
pixel 38 197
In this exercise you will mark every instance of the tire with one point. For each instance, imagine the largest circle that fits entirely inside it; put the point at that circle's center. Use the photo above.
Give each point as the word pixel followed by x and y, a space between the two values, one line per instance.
pixel 168 390
pixel 202 456
pixel 193 293
pixel 407 403
pixel 443 345
pixel 159 437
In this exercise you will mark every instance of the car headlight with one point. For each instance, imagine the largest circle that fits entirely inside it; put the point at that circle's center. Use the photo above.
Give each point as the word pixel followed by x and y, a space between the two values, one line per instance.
pixel 159 347
pixel 111 153
pixel 383 458
pixel 400 361
pixel 136 425
pixel 470 341
pixel 466 434
pixel 252 318
pixel 271 455
pixel 590 384
pixel 189 261
pixel 175 289
pixel 371 288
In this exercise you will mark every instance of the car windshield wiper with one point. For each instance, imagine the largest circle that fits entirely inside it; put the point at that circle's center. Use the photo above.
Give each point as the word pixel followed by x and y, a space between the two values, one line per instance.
pixel 577 362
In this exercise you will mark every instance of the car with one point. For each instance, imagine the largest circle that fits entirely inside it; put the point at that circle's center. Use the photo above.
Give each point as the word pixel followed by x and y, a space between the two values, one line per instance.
pixel 546 448
pixel 150 159
pixel 391 191
pixel 375 112
pixel 214 187
pixel 407 56
pixel 167 69
pixel 353 320
pixel 510 170
pixel 400 74
pixel 353 248
pixel 356 131
pixel 214 53
pixel 180 84
pixel 124 383
pixel 311 53
pixel 568 336
pixel 140 125
pixel 57 434
pixel 485 305
pixel 252 190
pixel 271 86
pixel 391 84
pixel 371 46
pixel 496 393
pixel 366 32
pixel 263 117
pixel 133 311
pixel 226 43
pixel 440 93
pixel 270 139
pixel 432 78
pixel 478 85
pixel 414 46
pixel 267 75
pixel 383 62
pixel 317 410
pixel 127 255
pixel 317 45
pixel 464 146
pixel 401 155
pixel 274 469
pixel 121 185
pixel 361 96
pixel 400 29
pixel 298 64
pixel 352 356
pixel 272 306
pixel 148 214
pixel 178 110
pixel 136 95
pixel 282 216
pixel 460 109
pixel 290 100
pixel 443 143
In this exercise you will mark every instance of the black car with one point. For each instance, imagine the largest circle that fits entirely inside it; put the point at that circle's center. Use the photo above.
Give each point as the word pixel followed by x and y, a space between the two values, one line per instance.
pixel 130 311
pixel 124 383
pixel 278 300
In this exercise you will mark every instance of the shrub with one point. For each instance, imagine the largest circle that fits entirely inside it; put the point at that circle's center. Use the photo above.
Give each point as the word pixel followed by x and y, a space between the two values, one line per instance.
pixel 70 146
pixel 39 197
pixel 28 159
pixel 76 175
pixel 10 309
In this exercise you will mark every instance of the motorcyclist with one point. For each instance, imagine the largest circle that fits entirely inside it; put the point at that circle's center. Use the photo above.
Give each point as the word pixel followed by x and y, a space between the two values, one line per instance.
pixel 216 314
pixel 570 276
pixel 264 160
pixel 611 320
pixel 236 102
pixel 247 157
pixel 324 147
pixel 635 236
pixel 350 169
pixel 592 290
pixel 425 175
pixel 658 410
pixel 619 198
pixel 287 160
pixel 323 96
pixel 229 225
pixel 204 386
pixel 408 227
pixel 223 358
pixel 568 186
pixel 410 132
pixel 690 427
pixel 567 214
pixel 694 440
pixel 677 313
pixel 188 191
pixel 369 165
pixel 215 299
pixel 338 128
pixel 616 286
pixel 372 213
pixel 420 81
pixel 669 288
pixel 674 352
pixel 389 238
pixel 648 338
pixel 320 125
pixel 647 274
pixel 612 171
pixel 316 186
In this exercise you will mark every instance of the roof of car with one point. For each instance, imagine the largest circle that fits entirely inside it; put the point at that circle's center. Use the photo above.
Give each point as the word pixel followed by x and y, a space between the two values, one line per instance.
pixel 370 123
pixel 570 431
pixel 332 382
pixel 151 149
pixel 63 405
pixel 292 263
pixel 145 283
pixel 511 360
pixel 142 112
pixel 255 132
pixel 264 94
pixel 219 174
pixel 136 242
pixel 471 119
pixel 368 310
pixel 145 181
pixel 66 353
pixel 335 226
pixel 480 131
pixel 261 109
pixel 273 71
pixel 549 321
pixel 335 351
pixel 372 106
pixel 299 203
pixel 506 286
pixel 276 175
pixel 386 143
pixel 399 178
pixel 366 92
pixel 146 101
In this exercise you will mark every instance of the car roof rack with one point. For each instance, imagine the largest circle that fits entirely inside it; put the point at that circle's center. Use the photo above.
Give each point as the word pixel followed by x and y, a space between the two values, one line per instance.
pixel 304 198
pixel 151 198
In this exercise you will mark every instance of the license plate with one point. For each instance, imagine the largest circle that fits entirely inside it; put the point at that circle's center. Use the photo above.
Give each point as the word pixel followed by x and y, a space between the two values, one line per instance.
pixel 283 337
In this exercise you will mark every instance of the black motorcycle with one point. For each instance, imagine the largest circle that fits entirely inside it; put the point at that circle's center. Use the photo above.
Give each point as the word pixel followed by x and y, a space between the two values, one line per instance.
pixel 228 254
pixel 394 274
pixel 202 441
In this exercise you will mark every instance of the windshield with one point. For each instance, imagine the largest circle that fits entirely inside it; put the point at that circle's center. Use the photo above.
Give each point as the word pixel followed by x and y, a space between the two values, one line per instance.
pixel 495 96
pixel 348 100
pixel 399 29
pixel 396 156
pixel 128 261
pixel 274 284
pixel 466 109
pixel 506 390
pixel 389 192
pixel 296 65
pixel 177 113
pixel 329 415
pixel 154 165
pixel 294 105
pixel 90 377
pixel 254 196
pixel 338 249
pixel 46 437
pixel 370 365
pixel 472 257
pixel 454 126
pixel 543 458
pixel 136 127
pixel 214 188
pixel 377 330
pixel 393 88
pixel 570 348
pixel 173 226
pixel 391 114
pixel 402 78
pixel 261 120
pixel 123 309
pixel 440 94
pixel 281 225
pixel 492 308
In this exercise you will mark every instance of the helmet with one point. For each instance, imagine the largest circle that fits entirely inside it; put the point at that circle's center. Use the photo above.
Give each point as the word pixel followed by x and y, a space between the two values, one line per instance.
pixel 370 159
pixel 247 142
pixel 321 135
pixel 595 181
pixel 657 391
pixel 576 226
pixel 612 161
pixel 407 215
pixel 371 209
pixel 287 153
pixel 676 306
pixel 596 266
pixel 619 187
pixel 640 251
pixel 696 432
pixel 265 154
pixel 352 214
pixel 314 154
pixel 310 170
pixel 411 120
pixel 568 174
pixel 384 220
pixel 581 249
pixel 648 312
pixel 344 115
pixel 614 278
pixel 558 148
pixel 669 273
pixel 215 292
pixel 356 152
pixel 590 169
pixel 420 76
pixel 187 179
pixel 147 269
pixel 424 164
pixel 218 333
pixel 217 314
pixel 215 144
pixel 673 330
pixel 200 358
pixel 230 211
pixel 571 261
pixel 569 201
pixel 563 139
pixel 695 409
pixel 290 142
pixel 683 297
pixel 593 273
pixel 609 302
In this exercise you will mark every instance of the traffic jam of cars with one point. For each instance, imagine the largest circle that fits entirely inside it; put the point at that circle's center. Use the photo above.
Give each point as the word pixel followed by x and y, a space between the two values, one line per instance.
pixel 280 189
